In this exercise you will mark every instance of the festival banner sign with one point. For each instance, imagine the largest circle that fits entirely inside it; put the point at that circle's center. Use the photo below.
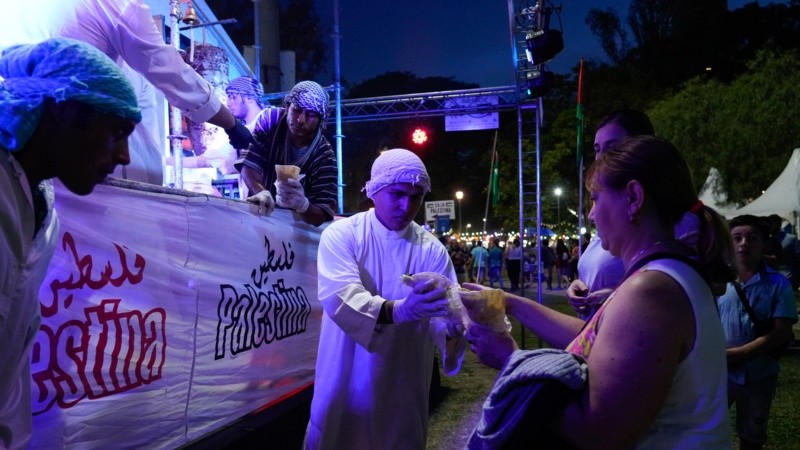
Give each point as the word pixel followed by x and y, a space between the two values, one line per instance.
pixel 166 316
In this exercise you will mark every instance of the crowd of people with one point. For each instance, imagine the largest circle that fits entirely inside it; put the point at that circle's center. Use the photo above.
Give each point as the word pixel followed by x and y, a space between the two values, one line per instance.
pixel 672 303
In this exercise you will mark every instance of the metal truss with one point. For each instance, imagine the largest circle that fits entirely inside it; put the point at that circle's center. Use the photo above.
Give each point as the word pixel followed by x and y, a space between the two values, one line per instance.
pixel 467 101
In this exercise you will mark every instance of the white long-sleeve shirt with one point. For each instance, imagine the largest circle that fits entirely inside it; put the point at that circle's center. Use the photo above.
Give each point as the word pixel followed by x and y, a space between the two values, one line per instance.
pixel 124 30
pixel 372 380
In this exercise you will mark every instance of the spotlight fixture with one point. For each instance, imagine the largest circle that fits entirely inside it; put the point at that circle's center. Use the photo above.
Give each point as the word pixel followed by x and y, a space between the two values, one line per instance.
pixel 540 82
pixel 543 45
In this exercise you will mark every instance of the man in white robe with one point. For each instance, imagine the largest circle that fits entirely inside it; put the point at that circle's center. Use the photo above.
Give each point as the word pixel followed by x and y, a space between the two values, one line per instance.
pixel 378 335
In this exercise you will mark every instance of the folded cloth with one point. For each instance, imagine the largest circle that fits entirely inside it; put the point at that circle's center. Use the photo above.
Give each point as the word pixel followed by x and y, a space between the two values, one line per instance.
pixel 529 389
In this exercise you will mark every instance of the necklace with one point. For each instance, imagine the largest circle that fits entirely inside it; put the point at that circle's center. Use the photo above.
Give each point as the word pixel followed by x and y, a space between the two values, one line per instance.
pixel 633 266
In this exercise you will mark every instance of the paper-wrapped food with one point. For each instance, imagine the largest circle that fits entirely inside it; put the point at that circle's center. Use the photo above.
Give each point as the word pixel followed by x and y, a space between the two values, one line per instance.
pixel 486 308
pixel 285 172
pixel 454 301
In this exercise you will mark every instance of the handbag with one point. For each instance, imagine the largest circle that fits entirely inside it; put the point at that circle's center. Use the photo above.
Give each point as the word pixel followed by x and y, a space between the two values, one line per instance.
pixel 761 327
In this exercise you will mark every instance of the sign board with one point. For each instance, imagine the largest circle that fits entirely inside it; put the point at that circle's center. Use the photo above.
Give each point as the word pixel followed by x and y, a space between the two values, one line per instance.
pixel 440 208
pixel 478 121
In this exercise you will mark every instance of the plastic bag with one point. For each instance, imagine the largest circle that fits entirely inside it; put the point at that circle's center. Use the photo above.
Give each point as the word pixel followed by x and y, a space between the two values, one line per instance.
pixel 486 308
pixel 455 307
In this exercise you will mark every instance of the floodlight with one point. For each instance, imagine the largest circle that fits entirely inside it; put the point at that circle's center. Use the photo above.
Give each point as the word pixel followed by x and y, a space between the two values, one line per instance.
pixel 540 82
pixel 543 45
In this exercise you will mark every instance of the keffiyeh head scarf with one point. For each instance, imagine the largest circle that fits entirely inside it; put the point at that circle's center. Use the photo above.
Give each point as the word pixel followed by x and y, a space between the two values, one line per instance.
pixel 397 166
pixel 246 87
pixel 309 96
pixel 61 69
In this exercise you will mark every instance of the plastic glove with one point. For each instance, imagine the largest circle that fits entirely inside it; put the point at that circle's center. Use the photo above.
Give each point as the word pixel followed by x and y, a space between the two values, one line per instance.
pixel 424 301
pixel 290 194
pixel 455 329
pixel 264 201
pixel 239 136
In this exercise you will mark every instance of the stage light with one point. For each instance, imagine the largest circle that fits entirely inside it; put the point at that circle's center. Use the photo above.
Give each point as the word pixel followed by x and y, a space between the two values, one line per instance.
pixel 419 136
pixel 543 45
pixel 540 82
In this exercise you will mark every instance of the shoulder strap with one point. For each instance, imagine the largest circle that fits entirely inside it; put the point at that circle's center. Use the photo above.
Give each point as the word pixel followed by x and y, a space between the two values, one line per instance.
pixel 745 302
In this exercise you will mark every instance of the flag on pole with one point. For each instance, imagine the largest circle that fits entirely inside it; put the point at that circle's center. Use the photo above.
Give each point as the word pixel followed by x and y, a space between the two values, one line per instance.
pixel 495 185
pixel 579 114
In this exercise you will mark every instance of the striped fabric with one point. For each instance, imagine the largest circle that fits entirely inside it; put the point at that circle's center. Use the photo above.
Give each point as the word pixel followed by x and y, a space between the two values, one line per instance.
pixel 62 69
pixel 318 164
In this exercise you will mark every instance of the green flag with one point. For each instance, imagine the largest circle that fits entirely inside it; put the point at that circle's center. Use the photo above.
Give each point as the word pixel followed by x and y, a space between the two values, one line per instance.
pixel 495 186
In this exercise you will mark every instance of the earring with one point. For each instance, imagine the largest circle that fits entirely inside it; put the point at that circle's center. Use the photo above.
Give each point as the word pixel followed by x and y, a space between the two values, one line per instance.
pixel 632 217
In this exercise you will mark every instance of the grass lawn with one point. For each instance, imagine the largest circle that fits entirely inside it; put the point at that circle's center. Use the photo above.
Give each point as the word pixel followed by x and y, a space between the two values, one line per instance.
pixel 453 418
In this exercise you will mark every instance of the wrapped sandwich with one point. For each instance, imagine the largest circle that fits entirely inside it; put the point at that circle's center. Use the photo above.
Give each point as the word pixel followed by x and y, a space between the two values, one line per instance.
pixel 454 302
pixel 486 308
pixel 286 172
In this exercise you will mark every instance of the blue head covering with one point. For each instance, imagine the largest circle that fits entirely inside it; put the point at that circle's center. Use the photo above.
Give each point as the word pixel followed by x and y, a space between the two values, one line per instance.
pixel 61 69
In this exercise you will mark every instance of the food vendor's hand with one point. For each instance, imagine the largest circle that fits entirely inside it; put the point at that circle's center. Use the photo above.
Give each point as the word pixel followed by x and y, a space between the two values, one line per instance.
pixel 290 194
pixel 424 301
pixel 264 201
pixel 491 347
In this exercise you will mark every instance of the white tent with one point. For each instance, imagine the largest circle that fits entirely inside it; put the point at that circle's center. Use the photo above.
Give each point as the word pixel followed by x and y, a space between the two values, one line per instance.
pixel 713 194
pixel 782 197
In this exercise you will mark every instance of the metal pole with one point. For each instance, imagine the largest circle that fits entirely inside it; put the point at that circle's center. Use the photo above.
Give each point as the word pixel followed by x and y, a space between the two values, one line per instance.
pixel 176 125
pixel 338 88
pixel 459 216
pixel 257 42
pixel 558 209
pixel 520 191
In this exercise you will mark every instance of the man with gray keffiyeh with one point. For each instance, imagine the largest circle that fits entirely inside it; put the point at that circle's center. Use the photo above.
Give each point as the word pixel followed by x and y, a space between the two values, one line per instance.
pixel 292 135
pixel 66 111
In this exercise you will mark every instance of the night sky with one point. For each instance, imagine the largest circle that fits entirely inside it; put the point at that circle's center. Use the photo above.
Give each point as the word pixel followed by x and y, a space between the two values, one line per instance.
pixel 467 40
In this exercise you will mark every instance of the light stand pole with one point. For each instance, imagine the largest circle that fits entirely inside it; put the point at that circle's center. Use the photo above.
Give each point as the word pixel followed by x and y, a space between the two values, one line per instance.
pixel 459 196
pixel 558 193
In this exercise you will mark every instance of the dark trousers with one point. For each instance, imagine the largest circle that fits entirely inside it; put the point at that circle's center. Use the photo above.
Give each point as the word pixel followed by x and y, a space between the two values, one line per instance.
pixel 513 266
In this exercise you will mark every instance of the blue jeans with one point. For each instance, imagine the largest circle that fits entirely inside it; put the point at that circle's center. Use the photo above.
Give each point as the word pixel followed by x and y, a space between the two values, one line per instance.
pixel 753 401
pixel 494 275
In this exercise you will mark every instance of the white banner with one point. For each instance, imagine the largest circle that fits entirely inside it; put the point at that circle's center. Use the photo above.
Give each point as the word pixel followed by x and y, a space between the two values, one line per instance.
pixel 166 317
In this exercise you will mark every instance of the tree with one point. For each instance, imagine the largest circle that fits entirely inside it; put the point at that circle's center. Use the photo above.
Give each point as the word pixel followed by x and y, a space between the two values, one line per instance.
pixel 747 128
pixel 605 24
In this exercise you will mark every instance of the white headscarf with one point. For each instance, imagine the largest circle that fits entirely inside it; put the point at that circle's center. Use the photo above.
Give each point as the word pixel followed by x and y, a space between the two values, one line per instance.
pixel 397 165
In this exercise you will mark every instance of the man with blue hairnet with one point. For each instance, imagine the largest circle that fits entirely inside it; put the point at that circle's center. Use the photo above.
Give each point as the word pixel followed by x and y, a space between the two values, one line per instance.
pixel 292 135
pixel 66 111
